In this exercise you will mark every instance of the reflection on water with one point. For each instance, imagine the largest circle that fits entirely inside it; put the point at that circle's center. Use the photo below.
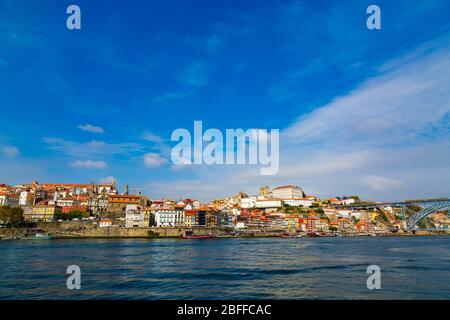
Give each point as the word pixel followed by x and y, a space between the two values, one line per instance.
pixel 311 268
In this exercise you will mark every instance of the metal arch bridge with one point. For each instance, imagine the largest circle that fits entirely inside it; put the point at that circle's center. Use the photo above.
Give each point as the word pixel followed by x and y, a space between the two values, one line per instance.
pixel 429 206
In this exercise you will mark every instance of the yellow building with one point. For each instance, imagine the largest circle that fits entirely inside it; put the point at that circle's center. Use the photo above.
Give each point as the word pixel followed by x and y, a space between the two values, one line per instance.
pixel 293 222
pixel 373 215
pixel 147 213
pixel 190 218
pixel 44 212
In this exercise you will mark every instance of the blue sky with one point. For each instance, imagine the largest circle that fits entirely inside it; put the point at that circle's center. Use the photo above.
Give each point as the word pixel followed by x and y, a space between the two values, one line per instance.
pixel 360 112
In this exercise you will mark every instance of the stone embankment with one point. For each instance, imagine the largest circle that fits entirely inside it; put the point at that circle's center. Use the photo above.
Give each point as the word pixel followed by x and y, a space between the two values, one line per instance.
pixel 87 229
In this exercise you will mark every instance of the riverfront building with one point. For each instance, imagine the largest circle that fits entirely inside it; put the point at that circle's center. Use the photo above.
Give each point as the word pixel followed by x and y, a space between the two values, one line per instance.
pixel 8 199
pixel 44 212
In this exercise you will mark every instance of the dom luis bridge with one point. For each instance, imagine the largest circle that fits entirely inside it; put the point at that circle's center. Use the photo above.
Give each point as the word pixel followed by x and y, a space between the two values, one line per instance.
pixel 428 206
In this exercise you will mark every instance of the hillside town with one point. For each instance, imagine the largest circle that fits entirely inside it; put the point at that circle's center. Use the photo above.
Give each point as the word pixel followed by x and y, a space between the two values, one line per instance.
pixel 281 211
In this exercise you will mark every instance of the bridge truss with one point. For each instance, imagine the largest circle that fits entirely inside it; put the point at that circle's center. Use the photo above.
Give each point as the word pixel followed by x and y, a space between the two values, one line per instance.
pixel 428 207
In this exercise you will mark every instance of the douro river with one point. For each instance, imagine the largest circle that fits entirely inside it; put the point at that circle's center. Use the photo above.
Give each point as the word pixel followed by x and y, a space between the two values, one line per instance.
pixel 259 268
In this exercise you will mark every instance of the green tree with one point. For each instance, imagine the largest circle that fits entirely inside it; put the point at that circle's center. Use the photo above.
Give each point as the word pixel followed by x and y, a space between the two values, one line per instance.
pixel 75 214
pixel 12 216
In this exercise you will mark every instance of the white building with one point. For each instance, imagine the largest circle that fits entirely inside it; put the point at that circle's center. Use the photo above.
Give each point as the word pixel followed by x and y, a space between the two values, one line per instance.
pixel 343 213
pixel 104 223
pixel 348 201
pixel 26 198
pixel 288 192
pixel 240 225
pixel 134 218
pixel 236 211
pixel 358 214
pixel 8 199
pixel 272 203
pixel 169 217
pixel 298 202
pixel 68 202
pixel 247 203
pixel 60 194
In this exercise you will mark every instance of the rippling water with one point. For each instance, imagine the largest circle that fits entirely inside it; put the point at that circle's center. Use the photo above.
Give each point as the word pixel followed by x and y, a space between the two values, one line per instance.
pixel 304 268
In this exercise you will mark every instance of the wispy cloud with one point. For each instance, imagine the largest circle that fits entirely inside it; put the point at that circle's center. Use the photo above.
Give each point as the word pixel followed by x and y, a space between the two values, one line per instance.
pixel 108 179
pixel 153 160
pixel 387 139
pixel 92 148
pixel 403 105
pixel 10 151
pixel 88 164
pixel 196 74
pixel 148 136
pixel 91 128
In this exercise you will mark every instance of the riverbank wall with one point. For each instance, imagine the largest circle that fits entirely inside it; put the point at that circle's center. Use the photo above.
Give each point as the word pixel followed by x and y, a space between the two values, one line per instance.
pixel 85 229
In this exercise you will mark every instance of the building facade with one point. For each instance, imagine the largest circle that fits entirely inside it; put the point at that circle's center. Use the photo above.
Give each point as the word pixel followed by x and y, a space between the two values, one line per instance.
pixel 8 199
pixel 288 192
pixel 169 217
pixel 44 212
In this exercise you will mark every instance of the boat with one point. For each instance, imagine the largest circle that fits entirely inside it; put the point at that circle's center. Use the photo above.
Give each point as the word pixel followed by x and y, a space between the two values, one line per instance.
pixel 38 235
pixel 363 234
pixel 191 235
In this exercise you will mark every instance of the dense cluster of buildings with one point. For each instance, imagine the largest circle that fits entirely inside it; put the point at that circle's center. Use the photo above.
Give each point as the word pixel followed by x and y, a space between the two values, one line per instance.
pixel 282 208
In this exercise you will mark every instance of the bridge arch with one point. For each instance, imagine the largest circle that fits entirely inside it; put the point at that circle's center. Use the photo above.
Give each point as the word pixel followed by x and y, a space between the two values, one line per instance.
pixel 428 208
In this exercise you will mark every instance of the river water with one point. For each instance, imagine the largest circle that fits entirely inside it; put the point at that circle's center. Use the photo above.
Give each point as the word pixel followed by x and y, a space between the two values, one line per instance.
pixel 258 268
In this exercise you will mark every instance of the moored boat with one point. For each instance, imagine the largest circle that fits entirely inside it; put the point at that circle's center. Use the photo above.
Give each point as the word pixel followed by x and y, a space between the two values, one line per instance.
pixel 191 235
pixel 37 235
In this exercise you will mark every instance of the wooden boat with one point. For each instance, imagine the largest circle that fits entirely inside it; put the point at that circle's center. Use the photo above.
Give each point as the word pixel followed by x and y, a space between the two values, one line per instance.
pixel 191 235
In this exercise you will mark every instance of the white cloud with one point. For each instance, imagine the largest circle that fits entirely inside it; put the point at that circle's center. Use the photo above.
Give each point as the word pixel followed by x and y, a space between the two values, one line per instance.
pixel 107 180
pixel 384 184
pixel 10 151
pixel 91 128
pixel 92 148
pixel 396 107
pixel 148 136
pixel 385 140
pixel 152 160
pixel 89 164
